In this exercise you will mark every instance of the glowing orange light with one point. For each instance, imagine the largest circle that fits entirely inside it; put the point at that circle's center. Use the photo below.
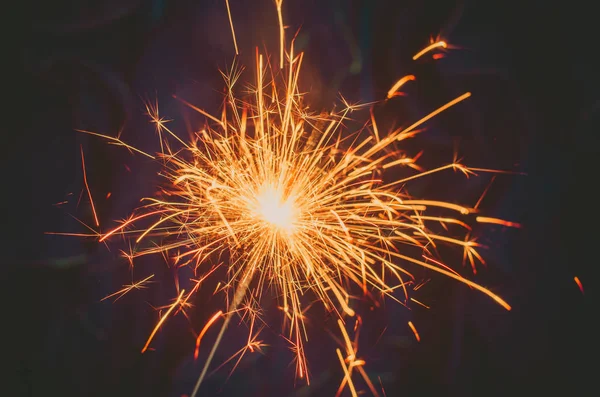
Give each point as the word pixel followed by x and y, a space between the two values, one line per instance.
pixel 210 322
pixel 414 330
pixel 578 282
pixel 394 90
pixel 438 44
pixel 485 219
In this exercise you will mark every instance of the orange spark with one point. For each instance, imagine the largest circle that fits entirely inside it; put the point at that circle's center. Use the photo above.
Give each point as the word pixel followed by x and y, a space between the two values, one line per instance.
pixel 128 288
pixel 578 282
pixel 394 90
pixel 420 303
pixel 162 320
pixel 381 384
pixel 353 361
pixel 118 142
pixel 414 330
pixel 438 111
pixel 278 4
pixel 232 29
pixel 485 219
pixel 87 188
pixel 210 322
pixel 484 192
pixel 430 47
pixel 347 378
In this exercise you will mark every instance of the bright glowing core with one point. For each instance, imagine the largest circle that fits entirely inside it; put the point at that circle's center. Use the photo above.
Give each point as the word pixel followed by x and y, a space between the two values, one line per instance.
pixel 276 210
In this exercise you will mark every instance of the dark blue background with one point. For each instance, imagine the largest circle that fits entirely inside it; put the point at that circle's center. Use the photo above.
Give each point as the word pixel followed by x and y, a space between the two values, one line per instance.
pixel 535 109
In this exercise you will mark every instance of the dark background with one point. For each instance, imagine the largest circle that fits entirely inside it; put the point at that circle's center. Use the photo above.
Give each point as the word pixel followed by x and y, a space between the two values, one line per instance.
pixel 535 109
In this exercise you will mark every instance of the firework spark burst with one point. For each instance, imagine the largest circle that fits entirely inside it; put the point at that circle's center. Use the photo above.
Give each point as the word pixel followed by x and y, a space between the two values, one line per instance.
pixel 293 206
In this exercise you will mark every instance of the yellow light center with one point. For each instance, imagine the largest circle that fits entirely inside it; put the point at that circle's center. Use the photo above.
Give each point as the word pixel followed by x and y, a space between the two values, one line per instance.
pixel 276 210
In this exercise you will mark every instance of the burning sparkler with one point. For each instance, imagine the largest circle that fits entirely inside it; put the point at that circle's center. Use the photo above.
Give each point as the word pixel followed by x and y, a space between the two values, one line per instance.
pixel 292 204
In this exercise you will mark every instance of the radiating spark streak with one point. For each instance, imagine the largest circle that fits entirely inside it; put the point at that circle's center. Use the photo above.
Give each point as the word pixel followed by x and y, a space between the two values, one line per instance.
pixel 349 347
pixel 468 282
pixel 370 385
pixel 239 294
pixel 441 264
pixel 442 220
pixel 128 288
pixel 210 322
pixel 87 188
pixel 381 384
pixel 72 234
pixel 485 219
pixel 353 361
pixel 421 284
pixel 251 345
pixel 484 192
pixel 374 124
pixel 394 90
pixel 421 174
pixel 118 142
pixel 430 47
pixel 232 29
pixel 578 282
pixel 347 378
pixel 414 330
pixel 420 303
pixel 202 112
pixel 162 320
pixel 130 221
pixel 437 111
pixel 278 4
pixel 148 230
pixel 496 171
pixel 432 203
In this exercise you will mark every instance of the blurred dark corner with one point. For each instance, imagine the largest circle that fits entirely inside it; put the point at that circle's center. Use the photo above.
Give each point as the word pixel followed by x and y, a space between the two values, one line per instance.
pixel 89 64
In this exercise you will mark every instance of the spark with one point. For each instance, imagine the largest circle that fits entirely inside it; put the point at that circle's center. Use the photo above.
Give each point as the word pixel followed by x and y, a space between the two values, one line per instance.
pixel 118 142
pixel 209 323
pixel 420 303
pixel 414 330
pixel 421 284
pixel 232 28
pixel 485 219
pixel 297 205
pixel 578 282
pixel 394 90
pixel 351 361
pixel 127 288
pixel 430 47
pixel 278 4
pixel 162 320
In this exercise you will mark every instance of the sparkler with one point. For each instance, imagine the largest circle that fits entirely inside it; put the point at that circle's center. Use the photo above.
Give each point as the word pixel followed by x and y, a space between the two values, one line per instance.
pixel 295 206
